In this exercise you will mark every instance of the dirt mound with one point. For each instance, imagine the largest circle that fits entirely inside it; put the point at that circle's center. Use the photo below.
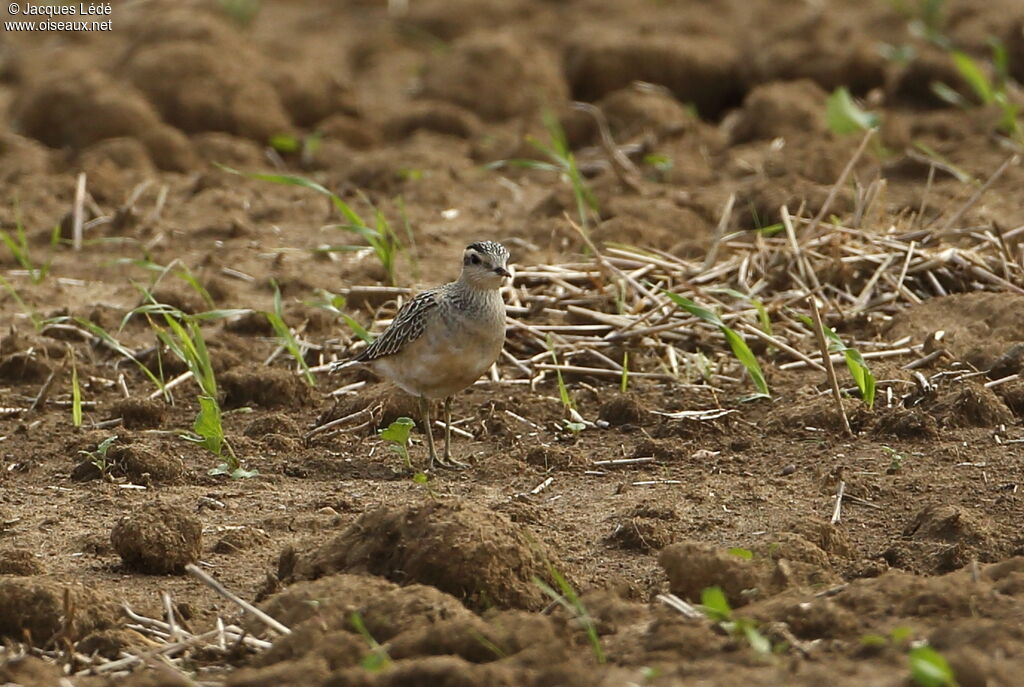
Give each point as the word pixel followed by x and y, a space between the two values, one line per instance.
pixel 269 387
pixel 241 539
pixel 384 608
pixel 644 528
pixel 780 109
pixel 29 671
pixel 906 423
pixel 979 327
pixel 23 368
pixel 158 538
pixel 942 538
pixel 645 109
pixel 139 413
pixel 476 70
pixel 811 44
pixel 472 553
pixel 19 562
pixel 702 70
pixel 135 462
pixel 274 423
pixel 78 110
pixel 789 560
pixel 1012 394
pixel 439 117
pixel 970 405
pixel 622 409
pixel 32 609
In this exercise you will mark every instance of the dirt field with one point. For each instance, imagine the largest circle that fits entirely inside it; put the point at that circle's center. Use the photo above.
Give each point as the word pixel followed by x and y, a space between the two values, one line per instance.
pixel 382 578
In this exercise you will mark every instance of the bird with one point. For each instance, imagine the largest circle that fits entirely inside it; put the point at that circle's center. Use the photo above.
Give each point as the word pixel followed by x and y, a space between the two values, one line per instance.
pixel 445 338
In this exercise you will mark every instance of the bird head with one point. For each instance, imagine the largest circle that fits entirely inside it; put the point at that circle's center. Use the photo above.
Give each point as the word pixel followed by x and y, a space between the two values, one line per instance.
pixel 485 265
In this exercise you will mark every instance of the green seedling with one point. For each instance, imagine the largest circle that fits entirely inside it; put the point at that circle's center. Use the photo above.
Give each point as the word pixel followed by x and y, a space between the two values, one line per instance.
pixel 745 554
pixel 116 345
pixel 334 303
pixel 98 457
pixel 859 369
pixel 305 147
pixel 18 245
pixel 284 333
pixel 844 116
pixel 739 347
pixel 76 393
pixel 567 598
pixel 762 312
pixel 381 238
pixel 242 12
pixel 716 607
pixel 377 659
pixel 397 434
pixel 624 382
pixel 33 316
pixel 929 668
pixel 895 460
pixel 899 635
pixel 562 162
pixel 183 336
pixel 573 425
pixel 988 91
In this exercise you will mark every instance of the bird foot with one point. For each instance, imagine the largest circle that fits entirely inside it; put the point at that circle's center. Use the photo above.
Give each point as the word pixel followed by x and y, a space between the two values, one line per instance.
pixel 448 463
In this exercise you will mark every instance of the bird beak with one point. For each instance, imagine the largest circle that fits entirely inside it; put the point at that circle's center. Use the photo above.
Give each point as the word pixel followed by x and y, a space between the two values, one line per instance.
pixel 502 271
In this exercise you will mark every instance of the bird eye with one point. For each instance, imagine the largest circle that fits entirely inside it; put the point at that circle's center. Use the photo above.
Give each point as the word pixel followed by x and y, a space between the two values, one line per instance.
pixel 475 259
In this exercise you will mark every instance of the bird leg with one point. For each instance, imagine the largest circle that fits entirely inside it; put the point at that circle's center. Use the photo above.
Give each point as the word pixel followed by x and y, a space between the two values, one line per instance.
pixel 449 462
pixel 425 415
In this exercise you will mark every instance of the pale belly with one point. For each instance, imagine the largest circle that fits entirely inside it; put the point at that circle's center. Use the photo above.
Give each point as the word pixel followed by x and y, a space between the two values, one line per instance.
pixel 441 366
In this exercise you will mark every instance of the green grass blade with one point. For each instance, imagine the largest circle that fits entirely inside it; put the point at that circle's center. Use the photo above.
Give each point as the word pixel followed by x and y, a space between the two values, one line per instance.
pixel 284 333
pixel 929 668
pixel 973 74
pixel 844 116
pixel 739 347
pixel 76 395
pixel 295 180
pixel 113 343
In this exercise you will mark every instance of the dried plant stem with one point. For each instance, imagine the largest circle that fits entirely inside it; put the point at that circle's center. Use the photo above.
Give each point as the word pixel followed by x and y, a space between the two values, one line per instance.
pixel 830 370
pixel 216 586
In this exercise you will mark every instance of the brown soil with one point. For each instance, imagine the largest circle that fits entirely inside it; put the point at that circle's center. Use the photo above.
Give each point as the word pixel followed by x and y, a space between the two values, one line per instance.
pixel 334 537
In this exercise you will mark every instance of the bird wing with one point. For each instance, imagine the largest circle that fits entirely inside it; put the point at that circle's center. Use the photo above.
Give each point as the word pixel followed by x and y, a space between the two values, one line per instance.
pixel 407 326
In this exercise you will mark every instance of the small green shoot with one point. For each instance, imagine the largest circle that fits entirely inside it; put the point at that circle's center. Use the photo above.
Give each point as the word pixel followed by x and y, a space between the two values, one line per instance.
pixel 716 607
pixel 381 238
pixel 895 460
pixel 111 342
pixel 183 336
pixel 988 91
pixel 859 369
pixel 76 393
pixel 397 433
pixel 929 668
pixel 570 601
pixel 18 245
pixel 568 404
pixel 624 382
pixel 377 659
pixel 745 554
pixel 739 347
pixel 242 12
pixel 562 161
pixel 98 457
pixel 284 333
pixel 844 116
pixel 334 303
